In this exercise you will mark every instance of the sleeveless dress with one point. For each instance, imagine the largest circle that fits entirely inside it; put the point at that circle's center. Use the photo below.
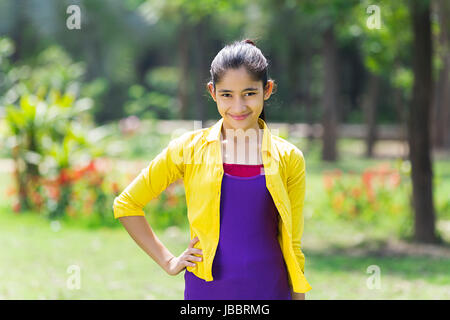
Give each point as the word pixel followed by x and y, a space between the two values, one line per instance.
pixel 248 264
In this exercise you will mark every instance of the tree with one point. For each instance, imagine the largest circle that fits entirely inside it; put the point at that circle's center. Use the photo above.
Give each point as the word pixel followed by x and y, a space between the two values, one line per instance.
pixel 441 101
pixel 330 95
pixel 330 16
pixel 418 124
pixel 385 57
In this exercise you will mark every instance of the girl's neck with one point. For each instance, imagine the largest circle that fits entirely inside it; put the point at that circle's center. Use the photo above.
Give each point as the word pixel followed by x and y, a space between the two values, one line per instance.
pixel 236 131
pixel 242 150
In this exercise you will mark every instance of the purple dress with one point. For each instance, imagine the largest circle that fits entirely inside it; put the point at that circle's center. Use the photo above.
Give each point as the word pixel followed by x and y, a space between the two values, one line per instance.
pixel 248 263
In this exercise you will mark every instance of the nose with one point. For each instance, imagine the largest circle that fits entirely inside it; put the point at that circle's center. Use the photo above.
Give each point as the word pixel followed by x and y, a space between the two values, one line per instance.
pixel 238 106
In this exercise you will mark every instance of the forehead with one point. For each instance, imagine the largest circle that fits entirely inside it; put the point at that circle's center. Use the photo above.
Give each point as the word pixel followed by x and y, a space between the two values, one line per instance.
pixel 235 79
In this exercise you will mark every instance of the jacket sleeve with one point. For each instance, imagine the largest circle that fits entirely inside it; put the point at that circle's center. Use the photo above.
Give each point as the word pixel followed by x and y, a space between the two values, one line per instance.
pixel 164 169
pixel 296 192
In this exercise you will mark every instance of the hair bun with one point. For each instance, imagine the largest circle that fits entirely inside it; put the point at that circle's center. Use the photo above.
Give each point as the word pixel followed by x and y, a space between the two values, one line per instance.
pixel 249 41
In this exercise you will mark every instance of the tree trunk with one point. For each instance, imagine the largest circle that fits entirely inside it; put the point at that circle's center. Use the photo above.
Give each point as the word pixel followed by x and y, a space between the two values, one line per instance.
pixel 202 70
pixel 18 31
pixel 418 125
pixel 308 96
pixel 330 96
pixel 441 101
pixel 370 111
pixel 183 54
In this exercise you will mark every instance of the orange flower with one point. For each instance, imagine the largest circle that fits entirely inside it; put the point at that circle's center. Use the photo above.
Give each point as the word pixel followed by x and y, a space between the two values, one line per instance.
pixel 53 191
pixel 172 200
pixel 328 182
pixel 71 211
pixel 367 177
pixel 356 192
pixel 88 204
pixel 353 211
pixel 115 187
pixel 11 191
pixel 16 206
pixel 338 201
pixel 330 177
pixel 394 179
pixel 64 176
pixel 37 199
pixel 91 166
pixel 367 181
pixel 96 179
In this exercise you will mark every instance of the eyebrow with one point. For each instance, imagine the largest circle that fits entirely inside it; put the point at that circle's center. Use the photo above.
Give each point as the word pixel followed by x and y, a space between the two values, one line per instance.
pixel 246 89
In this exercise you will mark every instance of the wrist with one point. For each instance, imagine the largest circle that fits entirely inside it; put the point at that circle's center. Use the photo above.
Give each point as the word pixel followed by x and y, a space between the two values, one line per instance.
pixel 166 265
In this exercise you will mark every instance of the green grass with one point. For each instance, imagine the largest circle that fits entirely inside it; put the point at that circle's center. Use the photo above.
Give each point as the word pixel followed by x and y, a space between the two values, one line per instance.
pixel 35 259
pixel 335 276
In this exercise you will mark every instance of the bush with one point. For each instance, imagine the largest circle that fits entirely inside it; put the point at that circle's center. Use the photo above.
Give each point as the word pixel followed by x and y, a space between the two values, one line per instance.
pixel 380 195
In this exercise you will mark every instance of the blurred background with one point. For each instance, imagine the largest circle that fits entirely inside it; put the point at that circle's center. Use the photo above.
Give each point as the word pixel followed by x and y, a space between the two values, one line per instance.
pixel 91 91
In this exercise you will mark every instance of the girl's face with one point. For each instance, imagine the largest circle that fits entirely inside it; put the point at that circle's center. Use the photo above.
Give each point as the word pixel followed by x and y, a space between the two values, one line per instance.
pixel 240 99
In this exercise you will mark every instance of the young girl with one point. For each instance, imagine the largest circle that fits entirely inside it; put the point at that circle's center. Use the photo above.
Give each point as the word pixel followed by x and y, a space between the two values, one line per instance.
pixel 244 191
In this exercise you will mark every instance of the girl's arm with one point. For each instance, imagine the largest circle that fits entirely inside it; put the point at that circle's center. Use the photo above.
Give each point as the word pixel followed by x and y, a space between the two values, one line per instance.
pixel 141 232
pixel 297 295
pixel 164 169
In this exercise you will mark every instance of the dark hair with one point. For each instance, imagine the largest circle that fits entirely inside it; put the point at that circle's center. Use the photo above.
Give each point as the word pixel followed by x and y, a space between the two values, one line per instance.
pixel 241 53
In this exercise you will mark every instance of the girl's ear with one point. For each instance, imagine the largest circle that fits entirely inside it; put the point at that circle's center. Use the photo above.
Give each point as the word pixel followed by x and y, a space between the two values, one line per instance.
pixel 268 89
pixel 211 90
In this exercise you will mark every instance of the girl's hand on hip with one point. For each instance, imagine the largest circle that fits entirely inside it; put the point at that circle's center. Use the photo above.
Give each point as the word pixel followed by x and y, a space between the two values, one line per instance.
pixel 186 259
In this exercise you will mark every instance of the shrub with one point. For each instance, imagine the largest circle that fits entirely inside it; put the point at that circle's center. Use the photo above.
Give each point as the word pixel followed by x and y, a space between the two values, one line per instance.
pixel 379 195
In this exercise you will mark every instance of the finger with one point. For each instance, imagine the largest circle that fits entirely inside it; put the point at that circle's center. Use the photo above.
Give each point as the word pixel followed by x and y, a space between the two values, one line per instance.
pixel 195 251
pixel 192 242
pixel 189 264
pixel 193 258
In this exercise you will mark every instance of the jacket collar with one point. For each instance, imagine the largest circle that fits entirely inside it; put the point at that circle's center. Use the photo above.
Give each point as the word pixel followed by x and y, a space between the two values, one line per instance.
pixel 214 135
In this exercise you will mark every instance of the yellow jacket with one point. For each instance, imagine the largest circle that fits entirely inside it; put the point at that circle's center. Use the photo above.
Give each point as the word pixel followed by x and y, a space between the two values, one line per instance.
pixel 196 157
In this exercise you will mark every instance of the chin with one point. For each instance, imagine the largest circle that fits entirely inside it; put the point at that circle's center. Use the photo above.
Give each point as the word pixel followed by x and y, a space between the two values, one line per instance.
pixel 242 124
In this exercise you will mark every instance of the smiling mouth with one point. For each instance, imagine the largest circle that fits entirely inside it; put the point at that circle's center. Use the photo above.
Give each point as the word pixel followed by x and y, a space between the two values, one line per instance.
pixel 241 117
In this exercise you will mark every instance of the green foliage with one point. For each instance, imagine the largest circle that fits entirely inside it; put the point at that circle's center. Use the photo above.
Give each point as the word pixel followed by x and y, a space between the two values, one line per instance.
pixel 158 102
pixel 170 208
pixel 48 135
pixel 384 47
pixel 48 127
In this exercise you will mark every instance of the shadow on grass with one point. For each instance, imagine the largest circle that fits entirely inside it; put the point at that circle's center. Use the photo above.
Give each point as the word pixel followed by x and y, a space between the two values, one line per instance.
pixel 433 268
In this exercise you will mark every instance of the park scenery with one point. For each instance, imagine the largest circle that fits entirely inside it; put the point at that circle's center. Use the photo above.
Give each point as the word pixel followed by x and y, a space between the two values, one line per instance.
pixel 91 92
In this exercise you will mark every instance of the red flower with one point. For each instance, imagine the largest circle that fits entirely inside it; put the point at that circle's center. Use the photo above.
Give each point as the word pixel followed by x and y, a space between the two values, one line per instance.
pixel 91 166
pixel 16 206
pixel 53 191
pixel 356 192
pixel 64 176
pixel 115 187
pixel 11 191
pixel 367 178
pixel 328 182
